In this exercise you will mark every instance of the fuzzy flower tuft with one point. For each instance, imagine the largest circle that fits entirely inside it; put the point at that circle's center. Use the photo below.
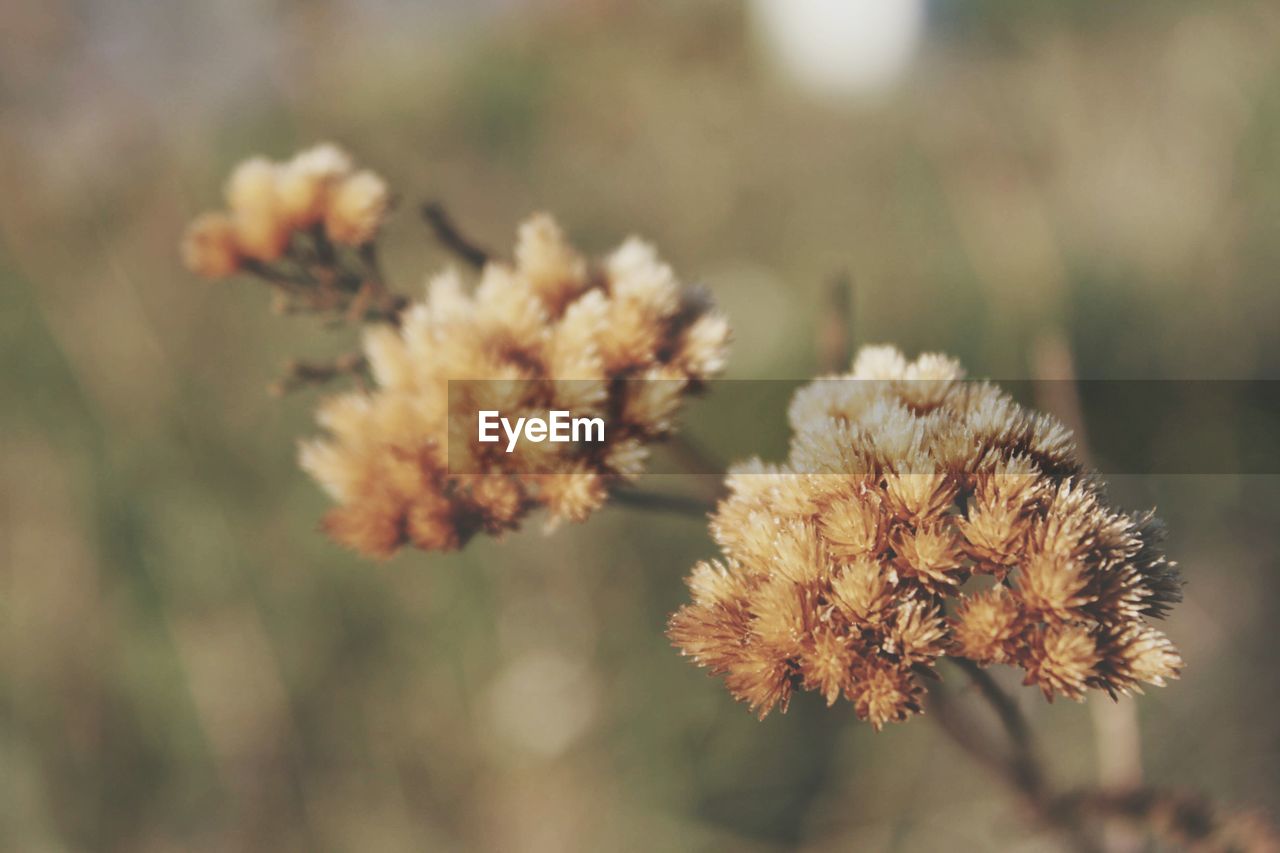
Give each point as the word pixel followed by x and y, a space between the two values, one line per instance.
pixel 210 248
pixel 269 202
pixel 920 516
pixel 621 339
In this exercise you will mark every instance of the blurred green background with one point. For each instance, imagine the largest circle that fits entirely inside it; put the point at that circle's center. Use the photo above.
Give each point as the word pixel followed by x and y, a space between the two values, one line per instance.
pixel 188 665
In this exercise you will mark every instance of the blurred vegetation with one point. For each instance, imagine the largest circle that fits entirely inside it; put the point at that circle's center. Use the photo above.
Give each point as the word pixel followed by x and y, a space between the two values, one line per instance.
pixel 188 665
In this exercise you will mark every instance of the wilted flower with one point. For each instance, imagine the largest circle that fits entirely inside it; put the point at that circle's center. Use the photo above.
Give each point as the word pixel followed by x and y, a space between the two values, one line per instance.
pixel 621 339
pixel 921 516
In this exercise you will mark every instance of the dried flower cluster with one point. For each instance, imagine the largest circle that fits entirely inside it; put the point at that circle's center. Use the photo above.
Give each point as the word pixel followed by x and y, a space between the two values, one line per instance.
pixel 306 228
pixel 920 515
pixel 318 192
pixel 621 339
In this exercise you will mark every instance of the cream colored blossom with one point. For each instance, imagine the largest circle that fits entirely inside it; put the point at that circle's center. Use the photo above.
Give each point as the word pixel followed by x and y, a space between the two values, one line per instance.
pixel 269 202
pixel 304 185
pixel 261 231
pixel 909 494
pixel 549 331
pixel 209 246
pixel 356 208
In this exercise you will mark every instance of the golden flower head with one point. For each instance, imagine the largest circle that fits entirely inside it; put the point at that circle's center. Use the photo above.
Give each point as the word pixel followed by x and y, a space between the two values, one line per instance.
pixel 920 516
pixel 621 338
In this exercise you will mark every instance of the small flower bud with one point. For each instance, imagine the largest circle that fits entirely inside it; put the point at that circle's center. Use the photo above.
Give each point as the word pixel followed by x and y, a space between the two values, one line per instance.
pixel 356 209
pixel 261 231
pixel 304 183
pixel 209 246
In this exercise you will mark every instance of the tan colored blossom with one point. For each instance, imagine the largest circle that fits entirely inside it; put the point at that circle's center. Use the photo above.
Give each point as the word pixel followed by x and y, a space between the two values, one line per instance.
pixel 542 333
pixel 356 208
pixel 1060 659
pixel 910 494
pixel 269 202
pixel 209 246
pixel 262 232
pixel 984 624
pixel 305 183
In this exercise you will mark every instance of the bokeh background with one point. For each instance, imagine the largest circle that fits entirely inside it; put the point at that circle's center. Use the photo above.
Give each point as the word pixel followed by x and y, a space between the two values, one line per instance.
pixel 1040 188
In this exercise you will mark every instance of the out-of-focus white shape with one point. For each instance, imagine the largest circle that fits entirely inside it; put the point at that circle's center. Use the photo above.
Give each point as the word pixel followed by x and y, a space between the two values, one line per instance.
pixel 842 47
pixel 542 702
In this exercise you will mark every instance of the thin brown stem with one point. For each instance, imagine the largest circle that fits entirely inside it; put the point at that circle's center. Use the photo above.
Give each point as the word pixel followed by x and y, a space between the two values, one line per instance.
pixel 449 235
pixel 1024 760
pixel 378 303
pixel 325 254
pixel 290 284
pixel 961 729
pixel 299 374
pixel 1184 819
pixel 1016 764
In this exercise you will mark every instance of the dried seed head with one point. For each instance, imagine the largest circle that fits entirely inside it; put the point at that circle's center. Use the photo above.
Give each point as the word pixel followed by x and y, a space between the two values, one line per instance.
pixel 883 693
pixel 402 461
pixel 269 202
pixel 1061 659
pixel 984 625
pixel 904 483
